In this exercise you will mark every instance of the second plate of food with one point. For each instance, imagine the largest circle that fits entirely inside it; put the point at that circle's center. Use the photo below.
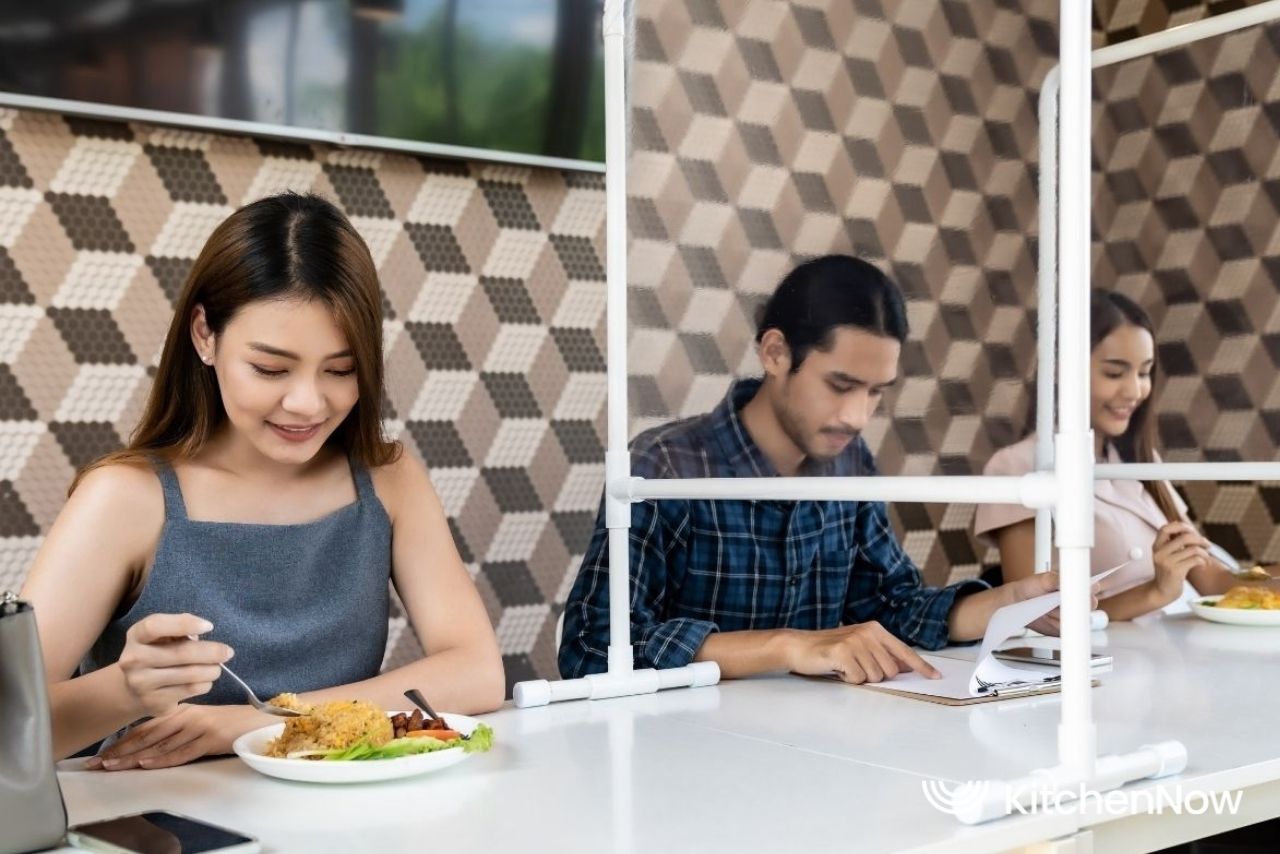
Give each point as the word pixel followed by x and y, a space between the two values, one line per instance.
pixel 1251 611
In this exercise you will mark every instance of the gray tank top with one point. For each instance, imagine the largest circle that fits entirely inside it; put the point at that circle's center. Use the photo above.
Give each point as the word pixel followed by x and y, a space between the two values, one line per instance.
pixel 304 606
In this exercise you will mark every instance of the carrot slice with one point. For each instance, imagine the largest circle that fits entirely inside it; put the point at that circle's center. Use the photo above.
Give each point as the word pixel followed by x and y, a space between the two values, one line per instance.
pixel 442 734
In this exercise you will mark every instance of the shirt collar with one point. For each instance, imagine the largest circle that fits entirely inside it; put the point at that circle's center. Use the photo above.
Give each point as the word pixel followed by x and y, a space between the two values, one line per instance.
pixel 745 459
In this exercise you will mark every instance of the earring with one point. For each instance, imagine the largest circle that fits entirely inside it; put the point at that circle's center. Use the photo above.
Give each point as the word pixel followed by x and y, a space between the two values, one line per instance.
pixel 208 360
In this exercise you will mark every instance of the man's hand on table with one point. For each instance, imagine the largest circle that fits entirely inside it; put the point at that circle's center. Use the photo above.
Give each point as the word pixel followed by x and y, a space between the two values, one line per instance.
pixel 865 652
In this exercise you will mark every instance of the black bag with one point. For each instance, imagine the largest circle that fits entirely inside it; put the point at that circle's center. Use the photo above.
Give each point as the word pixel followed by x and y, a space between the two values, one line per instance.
pixel 32 814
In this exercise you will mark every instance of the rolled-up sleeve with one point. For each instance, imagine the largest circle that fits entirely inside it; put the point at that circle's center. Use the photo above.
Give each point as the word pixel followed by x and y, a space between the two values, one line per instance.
pixel 671 643
pixel 886 586
pixel 658 531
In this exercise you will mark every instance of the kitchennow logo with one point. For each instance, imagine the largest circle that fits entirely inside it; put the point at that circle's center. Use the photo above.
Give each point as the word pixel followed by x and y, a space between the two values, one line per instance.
pixel 965 798
pixel 954 798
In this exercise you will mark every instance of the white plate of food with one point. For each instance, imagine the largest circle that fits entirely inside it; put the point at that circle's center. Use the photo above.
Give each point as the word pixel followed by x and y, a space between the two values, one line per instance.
pixel 356 742
pixel 1241 606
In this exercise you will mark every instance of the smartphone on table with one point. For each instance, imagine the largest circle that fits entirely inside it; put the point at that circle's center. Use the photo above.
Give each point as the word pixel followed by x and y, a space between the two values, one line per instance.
pixel 1042 655
pixel 159 832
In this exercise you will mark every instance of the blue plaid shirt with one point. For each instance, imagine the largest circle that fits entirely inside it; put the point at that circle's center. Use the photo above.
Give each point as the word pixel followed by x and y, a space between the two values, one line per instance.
pixel 702 566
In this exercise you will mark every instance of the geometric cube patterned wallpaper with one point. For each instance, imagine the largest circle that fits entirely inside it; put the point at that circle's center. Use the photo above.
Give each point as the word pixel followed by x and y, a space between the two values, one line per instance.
pixel 762 133
pixel 902 131
pixel 493 306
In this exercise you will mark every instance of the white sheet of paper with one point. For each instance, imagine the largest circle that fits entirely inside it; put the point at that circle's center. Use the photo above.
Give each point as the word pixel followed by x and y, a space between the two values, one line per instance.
pixel 954 683
pixel 960 678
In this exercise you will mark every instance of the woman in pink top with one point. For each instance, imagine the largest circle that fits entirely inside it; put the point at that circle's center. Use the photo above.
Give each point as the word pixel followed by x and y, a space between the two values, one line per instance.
pixel 1127 513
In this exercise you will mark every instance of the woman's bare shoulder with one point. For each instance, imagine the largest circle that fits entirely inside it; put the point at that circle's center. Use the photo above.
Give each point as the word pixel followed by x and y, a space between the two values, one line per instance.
pixel 115 516
pixel 119 492
pixel 403 482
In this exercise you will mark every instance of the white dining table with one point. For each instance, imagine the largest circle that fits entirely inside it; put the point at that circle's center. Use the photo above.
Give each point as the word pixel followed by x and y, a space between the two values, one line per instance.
pixel 776 763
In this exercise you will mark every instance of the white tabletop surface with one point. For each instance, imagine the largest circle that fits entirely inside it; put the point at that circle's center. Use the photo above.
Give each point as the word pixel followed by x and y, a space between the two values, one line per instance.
pixel 770 764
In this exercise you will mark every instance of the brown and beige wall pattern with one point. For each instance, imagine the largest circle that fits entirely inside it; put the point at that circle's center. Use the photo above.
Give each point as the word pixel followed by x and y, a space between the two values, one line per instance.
pixel 763 132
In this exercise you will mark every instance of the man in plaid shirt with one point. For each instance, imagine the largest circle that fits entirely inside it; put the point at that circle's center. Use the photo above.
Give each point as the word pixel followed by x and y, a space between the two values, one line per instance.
pixel 813 587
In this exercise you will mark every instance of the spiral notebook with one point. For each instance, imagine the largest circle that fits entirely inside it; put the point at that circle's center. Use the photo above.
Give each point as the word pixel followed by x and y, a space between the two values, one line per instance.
pixel 986 679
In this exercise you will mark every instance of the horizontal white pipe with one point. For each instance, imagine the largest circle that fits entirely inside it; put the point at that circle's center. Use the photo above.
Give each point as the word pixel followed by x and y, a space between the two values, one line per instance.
pixel 1034 490
pixel 601 686
pixel 1195 31
pixel 1187 471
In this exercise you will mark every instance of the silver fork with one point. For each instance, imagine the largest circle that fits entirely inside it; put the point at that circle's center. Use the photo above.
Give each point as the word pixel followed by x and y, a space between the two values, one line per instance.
pixel 415 697
pixel 1253 573
pixel 266 708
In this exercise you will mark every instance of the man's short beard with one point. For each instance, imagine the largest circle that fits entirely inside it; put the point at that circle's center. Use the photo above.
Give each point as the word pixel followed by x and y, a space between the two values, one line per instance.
pixel 794 431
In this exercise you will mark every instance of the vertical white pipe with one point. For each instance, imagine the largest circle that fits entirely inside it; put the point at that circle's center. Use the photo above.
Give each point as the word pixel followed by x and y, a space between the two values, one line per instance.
pixel 617 459
pixel 1047 305
pixel 1074 453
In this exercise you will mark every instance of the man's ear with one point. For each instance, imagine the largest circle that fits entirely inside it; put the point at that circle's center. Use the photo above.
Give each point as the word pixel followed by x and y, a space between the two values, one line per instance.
pixel 775 355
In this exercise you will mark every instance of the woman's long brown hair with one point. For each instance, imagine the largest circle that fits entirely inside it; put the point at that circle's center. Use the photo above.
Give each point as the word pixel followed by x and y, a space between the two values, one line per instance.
pixel 1108 311
pixel 282 247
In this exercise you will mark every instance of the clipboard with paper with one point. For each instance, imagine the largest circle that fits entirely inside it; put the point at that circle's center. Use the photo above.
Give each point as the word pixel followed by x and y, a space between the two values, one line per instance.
pixel 985 679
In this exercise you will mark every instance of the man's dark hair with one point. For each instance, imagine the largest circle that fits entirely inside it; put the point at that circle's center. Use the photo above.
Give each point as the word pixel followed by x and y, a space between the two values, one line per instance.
pixel 831 291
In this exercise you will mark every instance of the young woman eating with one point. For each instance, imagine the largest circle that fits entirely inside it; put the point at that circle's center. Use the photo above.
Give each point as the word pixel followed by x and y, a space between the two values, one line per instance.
pixel 259 508
pixel 1127 513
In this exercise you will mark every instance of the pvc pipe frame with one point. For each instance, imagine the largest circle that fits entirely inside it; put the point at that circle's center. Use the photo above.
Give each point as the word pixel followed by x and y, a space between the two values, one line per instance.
pixel 1066 88
pixel 1069 487
pixel 621 678
pixel 1035 490
pixel 617 458
pixel 1073 449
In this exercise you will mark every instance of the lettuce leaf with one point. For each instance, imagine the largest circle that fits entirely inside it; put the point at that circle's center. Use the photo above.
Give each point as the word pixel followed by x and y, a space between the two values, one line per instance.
pixel 479 741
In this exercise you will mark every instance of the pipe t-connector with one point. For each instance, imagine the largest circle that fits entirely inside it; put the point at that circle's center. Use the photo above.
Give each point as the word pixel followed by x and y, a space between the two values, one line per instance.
pixel 1073 465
